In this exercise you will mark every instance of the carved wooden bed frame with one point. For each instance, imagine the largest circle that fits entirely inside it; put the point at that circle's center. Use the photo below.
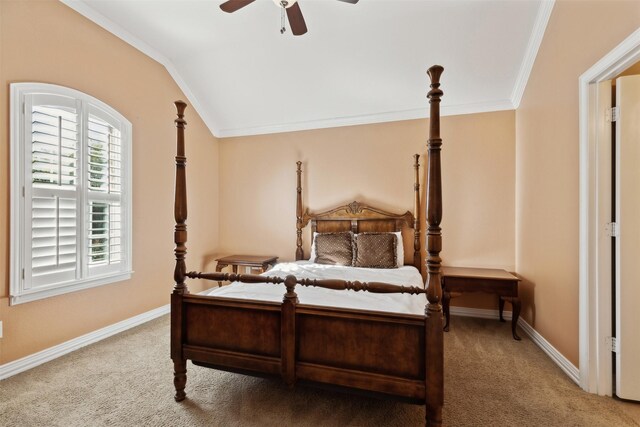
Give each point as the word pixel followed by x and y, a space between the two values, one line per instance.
pixel 393 355
pixel 359 218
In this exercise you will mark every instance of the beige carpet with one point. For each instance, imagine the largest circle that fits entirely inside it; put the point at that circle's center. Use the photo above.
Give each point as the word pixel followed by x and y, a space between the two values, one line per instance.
pixel 490 380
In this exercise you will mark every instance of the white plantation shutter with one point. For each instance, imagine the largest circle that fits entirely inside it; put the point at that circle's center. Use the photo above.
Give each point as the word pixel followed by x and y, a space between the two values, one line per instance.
pixel 105 234
pixel 53 240
pixel 54 149
pixel 51 154
pixel 104 178
pixel 71 198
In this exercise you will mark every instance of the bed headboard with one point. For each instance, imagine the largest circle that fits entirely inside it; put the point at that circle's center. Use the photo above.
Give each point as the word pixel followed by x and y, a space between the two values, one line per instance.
pixel 359 217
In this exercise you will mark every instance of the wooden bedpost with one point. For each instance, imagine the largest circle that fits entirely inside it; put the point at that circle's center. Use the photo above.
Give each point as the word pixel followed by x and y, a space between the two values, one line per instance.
pixel 416 215
pixel 179 275
pixel 433 320
pixel 299 252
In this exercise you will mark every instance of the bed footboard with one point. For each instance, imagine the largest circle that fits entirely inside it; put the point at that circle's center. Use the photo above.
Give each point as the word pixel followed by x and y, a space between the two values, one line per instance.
pixel 235 334
pixel 382 353
pixel 365 350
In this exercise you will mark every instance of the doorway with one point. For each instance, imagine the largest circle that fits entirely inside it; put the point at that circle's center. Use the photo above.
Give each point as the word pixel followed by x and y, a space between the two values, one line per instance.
pixel 596 246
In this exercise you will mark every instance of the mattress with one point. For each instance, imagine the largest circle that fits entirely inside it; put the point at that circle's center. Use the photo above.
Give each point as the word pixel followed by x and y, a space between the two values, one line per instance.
pixel 395 303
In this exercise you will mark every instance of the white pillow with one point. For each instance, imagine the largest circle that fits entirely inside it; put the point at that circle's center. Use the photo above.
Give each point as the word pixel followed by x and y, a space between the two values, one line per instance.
pixel 312 257
pixel 399 248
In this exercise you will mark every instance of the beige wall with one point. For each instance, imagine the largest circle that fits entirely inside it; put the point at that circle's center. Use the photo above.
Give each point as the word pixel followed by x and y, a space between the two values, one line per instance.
pixel 373 163
pixel 510 179
pixel 547 162
pixel 46 41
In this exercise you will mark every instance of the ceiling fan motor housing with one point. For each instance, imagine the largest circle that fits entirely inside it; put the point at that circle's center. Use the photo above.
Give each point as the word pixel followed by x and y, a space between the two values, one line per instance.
pixel 291 7
pixel 285 3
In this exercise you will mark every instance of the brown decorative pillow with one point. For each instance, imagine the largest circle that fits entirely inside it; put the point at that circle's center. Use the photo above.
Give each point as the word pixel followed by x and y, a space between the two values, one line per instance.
pixel 334 248
pixel 376 250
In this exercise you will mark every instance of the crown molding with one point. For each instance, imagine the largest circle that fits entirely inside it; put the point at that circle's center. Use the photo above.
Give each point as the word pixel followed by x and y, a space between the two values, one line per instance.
pixel 91 14
pixel 410 114
pixel 390 116
pixel 535 40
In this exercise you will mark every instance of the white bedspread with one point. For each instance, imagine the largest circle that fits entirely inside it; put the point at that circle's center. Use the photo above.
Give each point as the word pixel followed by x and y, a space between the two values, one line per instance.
pixel 396 303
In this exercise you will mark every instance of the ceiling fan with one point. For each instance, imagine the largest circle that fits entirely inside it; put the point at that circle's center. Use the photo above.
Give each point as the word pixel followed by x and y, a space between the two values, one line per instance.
pixel 296 20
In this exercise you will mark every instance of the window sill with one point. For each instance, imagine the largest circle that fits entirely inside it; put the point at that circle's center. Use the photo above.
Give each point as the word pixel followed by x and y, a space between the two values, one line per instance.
pixel 37 294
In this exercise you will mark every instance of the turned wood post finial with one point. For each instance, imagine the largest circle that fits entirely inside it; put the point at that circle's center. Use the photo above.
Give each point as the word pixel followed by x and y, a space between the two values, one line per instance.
pixel 180 107
pixel 434 193
pixel 290 283
pixel 434 72
pixel 180 204
pixel 299 252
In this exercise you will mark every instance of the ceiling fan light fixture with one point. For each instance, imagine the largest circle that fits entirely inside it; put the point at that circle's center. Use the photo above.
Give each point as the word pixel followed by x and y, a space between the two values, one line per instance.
pixel 290 8
pixel 286 4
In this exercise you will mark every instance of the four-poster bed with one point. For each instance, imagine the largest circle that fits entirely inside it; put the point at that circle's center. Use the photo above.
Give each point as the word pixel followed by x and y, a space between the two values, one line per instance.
pixel 390 354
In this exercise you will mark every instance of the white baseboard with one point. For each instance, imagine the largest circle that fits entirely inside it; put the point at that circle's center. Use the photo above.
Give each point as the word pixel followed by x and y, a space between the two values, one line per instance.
pixel 567 367
pixel 479 313
pixel 12 368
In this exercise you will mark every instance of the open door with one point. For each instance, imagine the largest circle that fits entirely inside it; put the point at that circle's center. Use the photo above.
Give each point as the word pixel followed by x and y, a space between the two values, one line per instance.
pixel 627 302
pixel 602 124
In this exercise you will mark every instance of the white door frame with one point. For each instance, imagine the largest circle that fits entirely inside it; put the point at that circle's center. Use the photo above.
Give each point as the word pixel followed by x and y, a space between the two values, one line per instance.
pixel 595 293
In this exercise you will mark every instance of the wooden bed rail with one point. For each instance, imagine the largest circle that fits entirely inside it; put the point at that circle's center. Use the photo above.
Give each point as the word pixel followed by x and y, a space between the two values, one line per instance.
pixel 335 284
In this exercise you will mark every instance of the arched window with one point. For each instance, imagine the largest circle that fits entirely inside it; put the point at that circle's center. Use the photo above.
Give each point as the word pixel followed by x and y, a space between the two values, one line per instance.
pixel 70 192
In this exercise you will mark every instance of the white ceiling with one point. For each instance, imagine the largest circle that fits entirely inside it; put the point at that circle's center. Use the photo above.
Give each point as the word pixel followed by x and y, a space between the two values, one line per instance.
pixel 361 63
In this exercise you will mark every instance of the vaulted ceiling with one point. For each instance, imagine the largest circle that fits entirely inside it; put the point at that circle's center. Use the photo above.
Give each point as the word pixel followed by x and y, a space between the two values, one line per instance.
pixel 358 63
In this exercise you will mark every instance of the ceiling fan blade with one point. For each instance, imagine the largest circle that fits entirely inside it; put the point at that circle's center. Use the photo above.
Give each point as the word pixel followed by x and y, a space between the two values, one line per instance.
pixel 296 20
pixel 233 5
pixel 350 1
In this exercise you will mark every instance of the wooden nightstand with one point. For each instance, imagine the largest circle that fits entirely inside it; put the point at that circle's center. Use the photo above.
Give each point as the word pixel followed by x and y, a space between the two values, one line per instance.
pixel 252 261
pixel 456 280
